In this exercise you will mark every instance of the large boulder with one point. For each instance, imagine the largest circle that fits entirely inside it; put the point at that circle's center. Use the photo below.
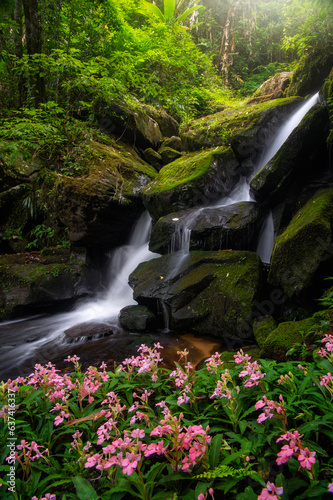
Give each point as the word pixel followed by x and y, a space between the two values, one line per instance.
pixel 210 293
pixel 195 179
pixel 235 226
pixel 274 87
pixel 32 281
pixel 137 319
pixel 247 129
pixel 303 253
pixel 288 335
pixel 139 124
pixel 293 158
pixel 100 207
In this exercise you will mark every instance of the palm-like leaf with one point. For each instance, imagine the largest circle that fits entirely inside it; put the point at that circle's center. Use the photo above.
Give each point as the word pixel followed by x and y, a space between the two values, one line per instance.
pixel 169 9
pixel 188 12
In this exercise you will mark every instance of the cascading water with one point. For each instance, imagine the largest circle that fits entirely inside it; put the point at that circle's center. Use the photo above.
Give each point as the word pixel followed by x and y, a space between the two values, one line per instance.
pixel 241 191
pixel 104 309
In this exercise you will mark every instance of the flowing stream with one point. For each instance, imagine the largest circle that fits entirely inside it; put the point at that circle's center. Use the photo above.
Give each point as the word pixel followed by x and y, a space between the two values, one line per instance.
pixel 25 339
pixel 241 191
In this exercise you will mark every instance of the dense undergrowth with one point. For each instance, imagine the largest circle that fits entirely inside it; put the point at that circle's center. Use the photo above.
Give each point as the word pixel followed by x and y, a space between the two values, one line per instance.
pixel 259 429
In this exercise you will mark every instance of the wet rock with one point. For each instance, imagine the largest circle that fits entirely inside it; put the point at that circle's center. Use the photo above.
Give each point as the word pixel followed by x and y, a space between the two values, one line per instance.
pixel 193 180
pixel 302 254
pixel 89 330
pixel 262 327
pixel 99 209
pixel 29 281
pixel 137 319
pixel 232 227
pixel 168 154
pixel 247 129
pixel 291 162
pixel 210 293
pixel 153 158
pixel 173 142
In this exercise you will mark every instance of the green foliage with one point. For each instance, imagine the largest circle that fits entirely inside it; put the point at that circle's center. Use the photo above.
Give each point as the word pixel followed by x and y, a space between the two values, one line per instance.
pixel 43 237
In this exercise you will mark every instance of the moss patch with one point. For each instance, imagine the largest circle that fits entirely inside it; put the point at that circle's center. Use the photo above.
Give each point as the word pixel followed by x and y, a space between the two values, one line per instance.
pixel 286 335
pixel 300 249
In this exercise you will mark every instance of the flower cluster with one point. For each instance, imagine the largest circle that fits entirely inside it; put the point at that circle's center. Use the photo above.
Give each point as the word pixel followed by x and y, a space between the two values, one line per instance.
pixel 30 453
pixel 271 409
pixel 295 448
pixel 214 362
pixel 183 378
pixel 146 362
pixel 252 370
pixel 327 352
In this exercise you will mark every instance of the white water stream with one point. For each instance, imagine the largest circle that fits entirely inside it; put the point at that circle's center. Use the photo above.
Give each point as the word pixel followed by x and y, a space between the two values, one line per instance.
pixel 103 309
pixel 241 191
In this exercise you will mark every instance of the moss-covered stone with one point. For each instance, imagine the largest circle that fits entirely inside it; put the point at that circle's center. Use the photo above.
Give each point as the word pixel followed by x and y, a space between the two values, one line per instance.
pixel 275 87
pixel 169 154
pixel 262 327
pixel 286 335
pixel 292 159
pixel 233 227
pixel 99 208
pixel 247 128
pixel 312 70
pixel 35 280
pixel 210 293
pixel 302 250
pixel 195 179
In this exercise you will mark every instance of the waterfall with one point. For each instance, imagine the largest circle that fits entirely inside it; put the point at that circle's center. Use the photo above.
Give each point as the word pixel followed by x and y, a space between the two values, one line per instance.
pixel 241 191
pixel 49 330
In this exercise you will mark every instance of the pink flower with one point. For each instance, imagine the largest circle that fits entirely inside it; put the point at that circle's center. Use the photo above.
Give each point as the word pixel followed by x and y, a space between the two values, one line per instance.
pixel 307 458
pixel 128 466
pixel 270 492
pixel 285 453
pixel 330 488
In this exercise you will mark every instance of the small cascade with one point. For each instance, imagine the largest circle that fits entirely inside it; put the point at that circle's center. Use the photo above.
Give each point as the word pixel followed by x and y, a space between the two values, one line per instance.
pixel 165 314
pixel 266 239
pixel 241 191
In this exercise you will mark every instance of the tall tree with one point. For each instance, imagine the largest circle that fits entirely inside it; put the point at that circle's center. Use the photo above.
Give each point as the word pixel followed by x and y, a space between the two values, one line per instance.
pixel 33 32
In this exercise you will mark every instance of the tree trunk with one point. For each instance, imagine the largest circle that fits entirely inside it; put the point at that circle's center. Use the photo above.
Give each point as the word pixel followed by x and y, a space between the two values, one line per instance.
pixel 18 43
pixel 34 46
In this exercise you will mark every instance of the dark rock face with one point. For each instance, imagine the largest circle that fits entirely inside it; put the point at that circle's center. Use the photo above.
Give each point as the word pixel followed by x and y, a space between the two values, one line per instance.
pixel 137 319
pixel 100 209
pixel 292 159
pixel 302 255
pixel 193 180
pixel 211 293
pixel 32 280
pixel 233 227
pixel 89 330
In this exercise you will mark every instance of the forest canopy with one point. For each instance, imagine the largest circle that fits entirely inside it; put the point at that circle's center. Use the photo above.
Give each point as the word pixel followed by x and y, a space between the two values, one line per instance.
pixel 185 56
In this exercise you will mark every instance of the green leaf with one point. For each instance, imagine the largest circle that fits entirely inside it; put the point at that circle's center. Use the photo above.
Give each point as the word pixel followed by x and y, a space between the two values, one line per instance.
pixel 153 9
pixel 169 9
pixel 84 490
pixel 214 452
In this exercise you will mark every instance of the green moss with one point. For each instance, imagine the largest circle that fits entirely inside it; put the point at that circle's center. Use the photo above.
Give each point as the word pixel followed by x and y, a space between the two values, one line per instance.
pixel 189 168
pixel 262 328
pixel 299 249
pixel 286 335
pixel 221 127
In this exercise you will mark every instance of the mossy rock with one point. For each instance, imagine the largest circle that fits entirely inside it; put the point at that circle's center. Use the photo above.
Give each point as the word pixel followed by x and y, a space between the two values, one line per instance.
pixel 100 207
pixel 136 123
pixel 291 162
pixel 233 227
pixel 210 293
pixel 262 327
pixel 312 70
pixel 169 154
pixel 286 335
pixel 33 280
pixel 248 128
pixel 274 87
pixel 137 319
pixel 195 179
pixel 302 253
pixel 18 172
pixel 153 158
